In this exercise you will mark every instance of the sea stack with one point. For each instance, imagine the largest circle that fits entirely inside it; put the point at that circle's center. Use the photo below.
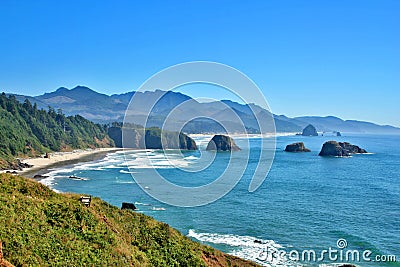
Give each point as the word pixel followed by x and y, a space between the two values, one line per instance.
pixel 338 134
pixel 309 131
pixel 222 143
pixel 340 149
pixel 297 147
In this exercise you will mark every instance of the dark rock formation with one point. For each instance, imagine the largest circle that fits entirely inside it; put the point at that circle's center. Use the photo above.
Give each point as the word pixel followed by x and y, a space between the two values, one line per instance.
pixel 38 176
pixel 18 165
pixel 332 148
pixel 309 131
pixel 341 149
pixel 222 143
pixel 23 165
pixel 185 142
pixel 128 206
pixel 151 138
pixel 338 134
pixel 352 149
pixel 297 147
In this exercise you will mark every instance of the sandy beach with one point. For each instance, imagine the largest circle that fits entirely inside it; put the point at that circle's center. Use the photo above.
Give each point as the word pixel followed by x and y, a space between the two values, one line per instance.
pixel 61 158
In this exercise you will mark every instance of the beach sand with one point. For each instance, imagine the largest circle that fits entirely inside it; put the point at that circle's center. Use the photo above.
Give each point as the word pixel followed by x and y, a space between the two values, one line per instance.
pixel 62 158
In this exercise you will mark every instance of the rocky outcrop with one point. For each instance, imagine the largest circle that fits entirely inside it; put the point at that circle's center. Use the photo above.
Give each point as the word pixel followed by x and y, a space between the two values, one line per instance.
pixel 16 165
pixel 297 147
pixel 128 206
pixel 222 143
pixel 332 148
pixel 39 176
pixel 338 134
pixel 151 138
pixel 22 165
pixel 185 142
pixel 340 149
pixel 309 131
pixel 352 149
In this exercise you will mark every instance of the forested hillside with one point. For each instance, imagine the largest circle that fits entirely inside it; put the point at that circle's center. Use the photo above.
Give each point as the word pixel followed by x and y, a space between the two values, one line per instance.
pixel 26 130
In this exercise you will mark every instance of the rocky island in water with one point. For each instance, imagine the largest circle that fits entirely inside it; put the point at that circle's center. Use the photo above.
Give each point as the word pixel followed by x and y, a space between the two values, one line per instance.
pixel 222 143
pixel 340 149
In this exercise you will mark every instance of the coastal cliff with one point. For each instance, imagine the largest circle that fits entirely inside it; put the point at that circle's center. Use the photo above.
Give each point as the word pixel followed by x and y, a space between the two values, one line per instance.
pixel 39 227
pixel 150 138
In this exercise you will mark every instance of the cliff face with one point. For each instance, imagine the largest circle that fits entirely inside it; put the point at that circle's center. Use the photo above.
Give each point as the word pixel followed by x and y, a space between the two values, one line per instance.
pixel 39 227
pixel 151 138
pixel 187 142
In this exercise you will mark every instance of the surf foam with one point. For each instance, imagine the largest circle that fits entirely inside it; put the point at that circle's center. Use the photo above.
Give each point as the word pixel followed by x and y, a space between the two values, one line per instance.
pixel 246 247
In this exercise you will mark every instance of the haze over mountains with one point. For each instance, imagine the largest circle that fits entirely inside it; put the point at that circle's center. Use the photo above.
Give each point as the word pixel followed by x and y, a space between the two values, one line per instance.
pixel 105 109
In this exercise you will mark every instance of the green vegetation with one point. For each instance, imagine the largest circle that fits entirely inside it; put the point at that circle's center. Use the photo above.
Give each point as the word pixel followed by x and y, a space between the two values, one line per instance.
pixel 27 131
pixel 39 227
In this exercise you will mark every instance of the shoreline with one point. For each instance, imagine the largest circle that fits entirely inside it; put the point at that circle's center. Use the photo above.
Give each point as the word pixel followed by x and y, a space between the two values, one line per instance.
pixel 41 165
pixel 58 159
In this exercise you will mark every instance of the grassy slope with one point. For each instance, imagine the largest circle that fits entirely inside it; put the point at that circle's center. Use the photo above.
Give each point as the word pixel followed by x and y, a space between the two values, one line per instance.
pixel 39 227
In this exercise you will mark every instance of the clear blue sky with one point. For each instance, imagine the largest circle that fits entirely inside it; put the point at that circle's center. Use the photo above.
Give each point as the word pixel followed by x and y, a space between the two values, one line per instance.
pixel 317 57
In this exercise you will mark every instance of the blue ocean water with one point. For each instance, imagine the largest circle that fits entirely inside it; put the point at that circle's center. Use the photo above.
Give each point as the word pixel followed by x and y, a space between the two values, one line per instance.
pixel 307 202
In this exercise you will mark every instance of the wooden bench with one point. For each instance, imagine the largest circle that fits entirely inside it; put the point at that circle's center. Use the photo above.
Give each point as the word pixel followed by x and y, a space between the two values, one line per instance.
pixel 86 200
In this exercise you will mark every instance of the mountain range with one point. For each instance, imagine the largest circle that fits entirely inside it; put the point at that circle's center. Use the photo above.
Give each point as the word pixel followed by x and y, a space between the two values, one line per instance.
pixel 104 108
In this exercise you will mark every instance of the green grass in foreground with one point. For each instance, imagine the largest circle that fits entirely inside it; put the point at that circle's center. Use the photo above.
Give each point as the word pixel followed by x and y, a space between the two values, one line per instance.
pixel 39 227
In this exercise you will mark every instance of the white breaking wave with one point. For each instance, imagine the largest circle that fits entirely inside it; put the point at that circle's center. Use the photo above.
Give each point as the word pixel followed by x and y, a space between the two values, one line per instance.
pixel 155 208
pixel 135 159
pixel 123 171
pixel 49 182
pixel 140 203
pixel 246 247
pixel 191 158
pixel 149 160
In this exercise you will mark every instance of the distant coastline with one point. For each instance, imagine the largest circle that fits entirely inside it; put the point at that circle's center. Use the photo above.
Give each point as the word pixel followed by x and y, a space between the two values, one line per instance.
pixel 102 108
